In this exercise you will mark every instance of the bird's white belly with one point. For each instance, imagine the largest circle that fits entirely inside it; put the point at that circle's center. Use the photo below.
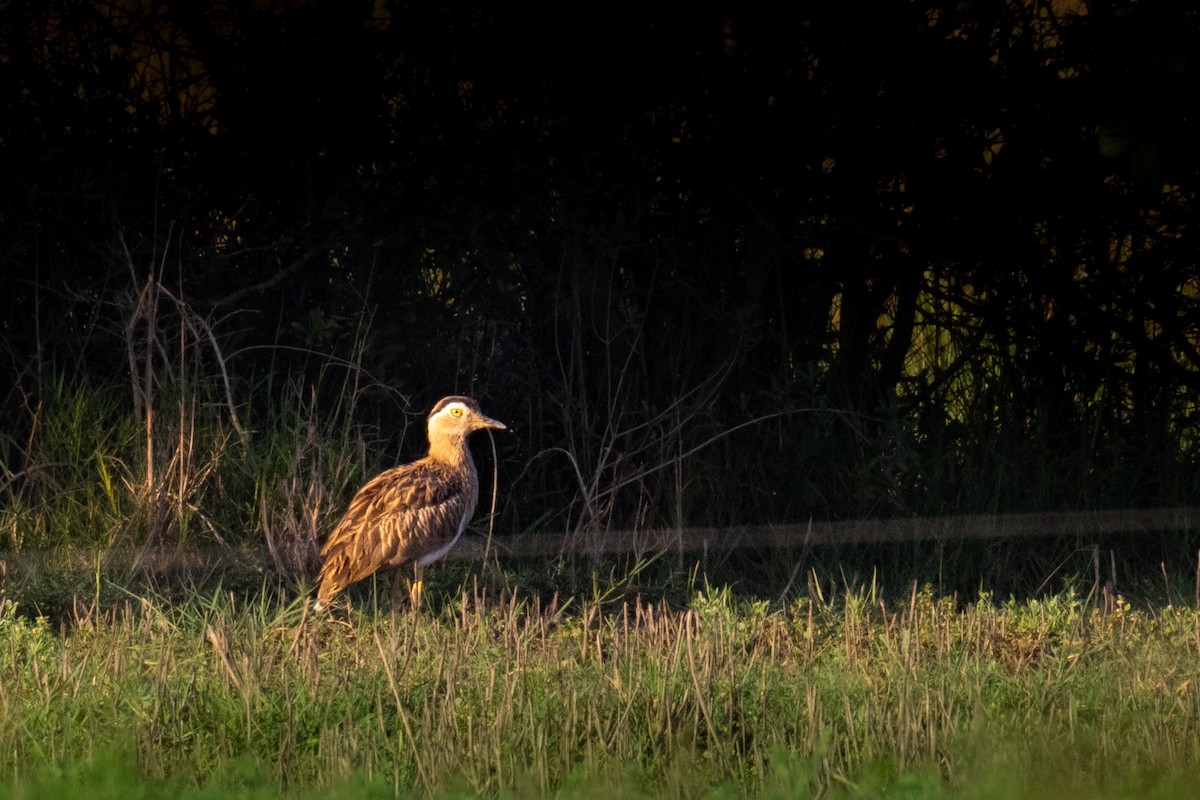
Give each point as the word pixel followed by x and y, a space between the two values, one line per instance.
pixel 429 558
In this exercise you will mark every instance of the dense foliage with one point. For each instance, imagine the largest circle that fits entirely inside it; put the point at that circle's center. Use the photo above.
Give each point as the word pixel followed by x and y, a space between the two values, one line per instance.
pixel 942 252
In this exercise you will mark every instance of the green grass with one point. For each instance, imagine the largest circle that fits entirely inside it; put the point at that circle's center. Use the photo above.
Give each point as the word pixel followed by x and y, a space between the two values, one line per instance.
pixel 513 696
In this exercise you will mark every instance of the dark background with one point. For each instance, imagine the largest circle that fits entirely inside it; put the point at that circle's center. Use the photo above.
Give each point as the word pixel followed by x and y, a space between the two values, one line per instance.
pixel 715 263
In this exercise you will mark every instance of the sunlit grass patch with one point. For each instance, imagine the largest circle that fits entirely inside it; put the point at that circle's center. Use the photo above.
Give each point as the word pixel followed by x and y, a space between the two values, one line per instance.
pixel 510 695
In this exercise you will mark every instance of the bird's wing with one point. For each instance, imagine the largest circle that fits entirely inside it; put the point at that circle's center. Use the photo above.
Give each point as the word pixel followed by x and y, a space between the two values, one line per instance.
pixel 398 516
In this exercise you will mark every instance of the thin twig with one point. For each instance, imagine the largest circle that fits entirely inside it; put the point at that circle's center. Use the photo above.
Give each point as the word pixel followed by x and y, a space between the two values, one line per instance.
pixel 186 311
pixel 487 549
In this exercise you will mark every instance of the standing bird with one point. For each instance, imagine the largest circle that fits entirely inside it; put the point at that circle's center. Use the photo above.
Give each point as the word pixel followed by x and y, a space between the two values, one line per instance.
pixel 413 513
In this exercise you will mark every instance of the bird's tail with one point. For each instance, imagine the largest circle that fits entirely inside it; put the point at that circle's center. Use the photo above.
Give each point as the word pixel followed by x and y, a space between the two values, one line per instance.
pixel 324 596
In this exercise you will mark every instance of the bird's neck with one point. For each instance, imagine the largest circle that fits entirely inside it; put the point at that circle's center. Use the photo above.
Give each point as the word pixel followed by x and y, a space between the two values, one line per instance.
pixel 451 450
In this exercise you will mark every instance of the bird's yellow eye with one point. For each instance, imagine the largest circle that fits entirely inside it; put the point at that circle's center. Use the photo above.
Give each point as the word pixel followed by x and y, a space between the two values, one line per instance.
pixel 456 411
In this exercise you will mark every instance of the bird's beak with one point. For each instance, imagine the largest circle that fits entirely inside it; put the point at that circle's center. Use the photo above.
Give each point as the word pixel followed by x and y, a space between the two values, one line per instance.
pixel 488 422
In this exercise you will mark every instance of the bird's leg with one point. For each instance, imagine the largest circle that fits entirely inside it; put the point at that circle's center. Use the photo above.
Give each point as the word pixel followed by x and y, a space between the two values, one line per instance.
pixel 399 588
pixel 416 587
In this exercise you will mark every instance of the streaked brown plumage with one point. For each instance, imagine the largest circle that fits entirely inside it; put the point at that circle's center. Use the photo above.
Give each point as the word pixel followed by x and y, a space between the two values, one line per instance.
pixel 413 513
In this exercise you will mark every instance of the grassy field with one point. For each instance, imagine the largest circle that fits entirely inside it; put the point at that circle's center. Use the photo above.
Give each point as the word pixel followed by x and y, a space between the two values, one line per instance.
pixel 507 695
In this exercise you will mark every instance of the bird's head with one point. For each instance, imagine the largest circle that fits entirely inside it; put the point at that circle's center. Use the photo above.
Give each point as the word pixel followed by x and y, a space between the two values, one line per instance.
pixel 458 416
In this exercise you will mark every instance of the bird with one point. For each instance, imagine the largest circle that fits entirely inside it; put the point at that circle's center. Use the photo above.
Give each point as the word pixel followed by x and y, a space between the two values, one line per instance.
pixel 410 514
